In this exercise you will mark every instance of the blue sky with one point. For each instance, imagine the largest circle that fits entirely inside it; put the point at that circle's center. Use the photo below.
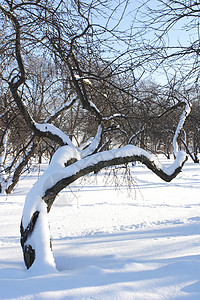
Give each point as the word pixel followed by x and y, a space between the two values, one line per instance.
pixel 178 35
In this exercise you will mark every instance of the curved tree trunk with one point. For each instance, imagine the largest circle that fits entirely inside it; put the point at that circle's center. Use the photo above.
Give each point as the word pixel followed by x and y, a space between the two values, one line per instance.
pixel 35 237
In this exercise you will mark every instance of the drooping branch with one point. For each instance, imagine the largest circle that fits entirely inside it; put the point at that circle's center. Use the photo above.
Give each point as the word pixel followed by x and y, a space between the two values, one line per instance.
pixel 114 157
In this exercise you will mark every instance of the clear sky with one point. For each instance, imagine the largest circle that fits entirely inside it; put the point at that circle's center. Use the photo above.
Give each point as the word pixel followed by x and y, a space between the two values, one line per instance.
pixel 180 34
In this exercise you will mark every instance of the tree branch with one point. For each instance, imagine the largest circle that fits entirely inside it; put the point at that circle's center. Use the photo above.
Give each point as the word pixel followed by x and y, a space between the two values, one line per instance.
pixel 96 162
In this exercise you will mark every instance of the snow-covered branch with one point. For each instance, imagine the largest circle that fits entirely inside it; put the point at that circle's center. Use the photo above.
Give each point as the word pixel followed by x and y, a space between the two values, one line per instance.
pixel 114 116
pixel 135 135
pixel 113 157
pixel 50 130
pixel 35 209
pixel 87 81
pixel 94 144
pixel 63 107
pixel 182 120
pixel 59 175
pixel 85 144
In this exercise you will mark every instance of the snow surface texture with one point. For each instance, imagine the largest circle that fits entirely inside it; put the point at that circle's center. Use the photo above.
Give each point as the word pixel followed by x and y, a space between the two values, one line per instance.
pixel 107 244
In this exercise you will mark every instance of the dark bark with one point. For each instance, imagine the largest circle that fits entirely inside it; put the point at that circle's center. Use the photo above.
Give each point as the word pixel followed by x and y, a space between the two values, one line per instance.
pixel 194 157
pixel 28 251
pixel 18 80
pixel 20 167
pixel 51 193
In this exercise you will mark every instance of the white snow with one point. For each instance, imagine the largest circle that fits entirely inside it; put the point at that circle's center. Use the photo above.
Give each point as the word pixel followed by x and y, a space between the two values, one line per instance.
pixel 60 109
pixel 86 80
pixel 94 143
pixel 55 172
pixel 113 116
pixel 94 106
pixel 54 130
pixel 107 244
pixel 34 203
pixel 126 151
pixel 183 117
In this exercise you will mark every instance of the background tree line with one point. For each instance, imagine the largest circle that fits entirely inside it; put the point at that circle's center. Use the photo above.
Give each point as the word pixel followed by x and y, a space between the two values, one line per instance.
pixel 147 120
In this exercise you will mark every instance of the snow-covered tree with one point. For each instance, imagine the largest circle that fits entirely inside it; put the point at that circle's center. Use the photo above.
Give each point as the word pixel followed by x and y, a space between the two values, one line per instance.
pixel 67 34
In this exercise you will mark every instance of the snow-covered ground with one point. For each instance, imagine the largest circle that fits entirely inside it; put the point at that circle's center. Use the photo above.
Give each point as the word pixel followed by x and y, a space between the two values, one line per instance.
pixel 111 244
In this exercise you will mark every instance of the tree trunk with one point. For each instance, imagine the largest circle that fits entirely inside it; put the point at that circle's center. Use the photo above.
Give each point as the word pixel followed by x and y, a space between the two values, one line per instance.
pixel 35 236
pixel 35 242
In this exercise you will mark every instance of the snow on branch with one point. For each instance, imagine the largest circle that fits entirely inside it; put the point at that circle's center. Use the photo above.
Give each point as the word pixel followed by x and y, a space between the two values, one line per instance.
pixel 59 174
pixel 182 120
pixel 86 144
pixel 114 116
pixel 63 107
pixel 94 144
pixel 108 158
pixel 127 154
pixel 54 131
pixel 135 134
pixel 53 173
pixel 92 105
pixel 85 80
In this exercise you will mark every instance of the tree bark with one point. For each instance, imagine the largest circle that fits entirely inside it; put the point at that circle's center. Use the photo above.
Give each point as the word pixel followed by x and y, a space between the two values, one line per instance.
pixel 28 251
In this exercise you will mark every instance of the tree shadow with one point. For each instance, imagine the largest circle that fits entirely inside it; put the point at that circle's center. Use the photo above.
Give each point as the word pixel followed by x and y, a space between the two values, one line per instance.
pixel 78 272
